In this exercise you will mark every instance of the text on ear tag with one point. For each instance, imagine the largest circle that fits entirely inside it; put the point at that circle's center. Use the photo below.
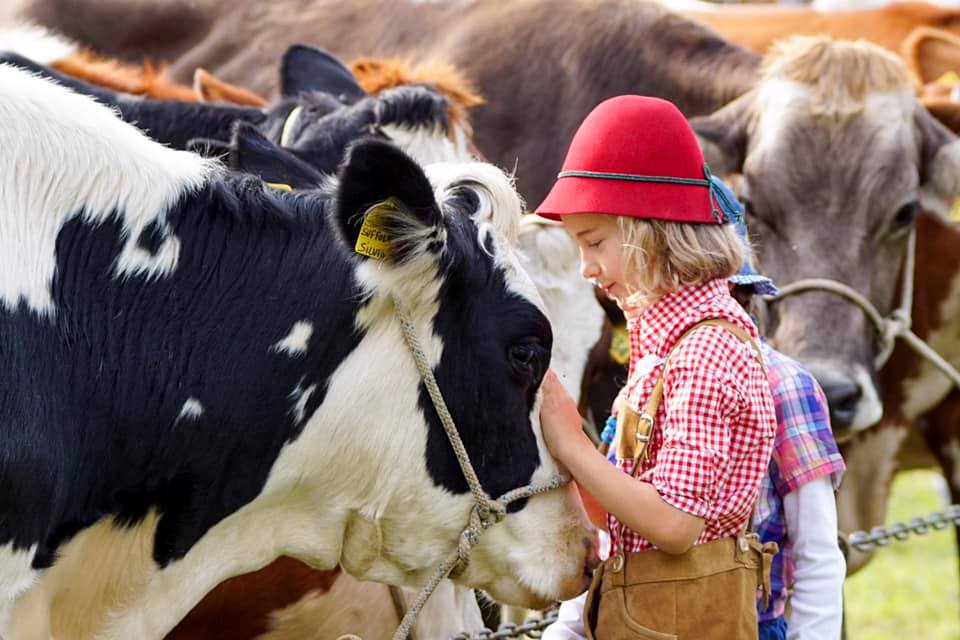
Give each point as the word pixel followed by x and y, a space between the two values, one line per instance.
pixel 373 240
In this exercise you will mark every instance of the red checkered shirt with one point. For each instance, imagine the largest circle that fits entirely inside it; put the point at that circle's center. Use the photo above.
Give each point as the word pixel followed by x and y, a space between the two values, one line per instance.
pixel 716 424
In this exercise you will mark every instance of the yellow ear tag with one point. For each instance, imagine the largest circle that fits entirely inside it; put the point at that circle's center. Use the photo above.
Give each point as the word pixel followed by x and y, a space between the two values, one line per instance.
pixel 373 240
pixel 279 186
pixel 620 345
pixel 949 79
pixel 955 210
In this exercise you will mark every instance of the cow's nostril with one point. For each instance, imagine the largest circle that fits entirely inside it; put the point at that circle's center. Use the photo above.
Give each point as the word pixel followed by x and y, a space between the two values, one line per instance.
pixel 844 399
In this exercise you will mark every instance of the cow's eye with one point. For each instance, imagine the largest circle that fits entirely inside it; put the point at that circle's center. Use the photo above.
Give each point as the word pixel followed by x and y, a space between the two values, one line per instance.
pixel 906 215
pixel 526 358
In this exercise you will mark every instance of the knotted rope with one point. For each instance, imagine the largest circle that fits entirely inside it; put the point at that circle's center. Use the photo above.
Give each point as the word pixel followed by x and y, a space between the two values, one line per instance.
pixel 486 511
pixel 896 325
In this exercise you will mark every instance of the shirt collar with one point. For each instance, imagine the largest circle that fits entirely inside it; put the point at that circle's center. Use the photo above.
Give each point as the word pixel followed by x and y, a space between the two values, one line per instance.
pixel 659 326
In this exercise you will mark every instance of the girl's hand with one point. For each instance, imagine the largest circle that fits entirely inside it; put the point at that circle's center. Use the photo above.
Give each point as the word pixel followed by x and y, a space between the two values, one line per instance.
pixel 562 427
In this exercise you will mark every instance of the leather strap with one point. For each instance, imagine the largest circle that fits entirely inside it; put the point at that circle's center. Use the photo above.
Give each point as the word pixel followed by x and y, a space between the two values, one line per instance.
pixel 636 429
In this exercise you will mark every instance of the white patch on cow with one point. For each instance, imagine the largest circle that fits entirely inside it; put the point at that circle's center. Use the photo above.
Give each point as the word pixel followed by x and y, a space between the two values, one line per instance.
pixel 551 258
pixel 929 386
pixel 16 577
pixel 191 409
pixel 427 145
pixel 295 344
pixel 134 260
pixel 66 155
pixel 300 397
pixel 869 409
pixel 36 43
pixel 779 102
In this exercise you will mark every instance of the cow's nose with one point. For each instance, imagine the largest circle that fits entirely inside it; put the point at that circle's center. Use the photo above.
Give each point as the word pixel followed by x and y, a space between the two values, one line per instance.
pixel 843 396
pixel 844 399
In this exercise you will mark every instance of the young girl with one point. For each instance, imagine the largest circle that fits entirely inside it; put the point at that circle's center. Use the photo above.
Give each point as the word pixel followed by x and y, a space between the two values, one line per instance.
pixel 695 437
pixel 796 508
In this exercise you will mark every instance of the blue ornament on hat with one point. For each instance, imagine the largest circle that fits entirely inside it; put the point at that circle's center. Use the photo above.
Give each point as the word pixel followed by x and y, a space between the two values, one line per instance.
pixel 747 276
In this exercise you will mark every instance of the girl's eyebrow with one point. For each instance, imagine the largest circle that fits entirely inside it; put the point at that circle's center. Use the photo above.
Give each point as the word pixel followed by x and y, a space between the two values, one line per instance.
pixel 586 231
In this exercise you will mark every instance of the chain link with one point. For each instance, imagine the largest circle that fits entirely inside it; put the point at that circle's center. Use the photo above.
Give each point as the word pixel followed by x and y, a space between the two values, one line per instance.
pixel 532 628
pixel 901 531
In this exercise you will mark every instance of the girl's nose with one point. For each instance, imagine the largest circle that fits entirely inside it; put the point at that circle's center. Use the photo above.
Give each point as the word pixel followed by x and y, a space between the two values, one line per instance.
pixel 589 269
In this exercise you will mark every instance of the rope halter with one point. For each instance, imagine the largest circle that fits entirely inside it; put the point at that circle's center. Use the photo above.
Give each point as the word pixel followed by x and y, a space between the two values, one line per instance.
pixel 486 511
pixel 896 325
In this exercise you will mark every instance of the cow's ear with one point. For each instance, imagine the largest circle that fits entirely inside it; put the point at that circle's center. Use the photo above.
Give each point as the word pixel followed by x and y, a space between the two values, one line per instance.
pixel 723 135
pixel 939 163
pixel 930 53
pixel 252 152
pixel 306 68
pixel 385 206
pixel 209 88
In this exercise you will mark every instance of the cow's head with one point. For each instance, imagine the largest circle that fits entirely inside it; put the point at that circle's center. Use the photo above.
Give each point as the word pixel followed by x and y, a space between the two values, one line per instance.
pixel 323 107
pixel 837 158
pixel 448 236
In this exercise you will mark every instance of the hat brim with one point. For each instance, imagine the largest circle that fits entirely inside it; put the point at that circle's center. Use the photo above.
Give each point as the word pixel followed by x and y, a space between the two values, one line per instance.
pixel 761 285
pixel 650 200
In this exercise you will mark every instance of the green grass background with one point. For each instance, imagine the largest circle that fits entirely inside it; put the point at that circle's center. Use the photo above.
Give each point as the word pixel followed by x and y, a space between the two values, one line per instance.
pixel 909 590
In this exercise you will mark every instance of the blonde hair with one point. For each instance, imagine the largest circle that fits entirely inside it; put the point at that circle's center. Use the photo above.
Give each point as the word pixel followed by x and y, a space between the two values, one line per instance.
pixel 662 256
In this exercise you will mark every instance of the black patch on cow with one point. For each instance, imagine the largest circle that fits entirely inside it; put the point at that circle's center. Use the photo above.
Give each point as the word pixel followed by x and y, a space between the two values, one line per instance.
pixel 100 436
pixel 305 68
pixel 489 396
pixel 152 237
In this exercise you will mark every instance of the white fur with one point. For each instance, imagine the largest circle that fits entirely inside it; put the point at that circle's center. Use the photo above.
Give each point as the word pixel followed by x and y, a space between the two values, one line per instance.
pixel 300 397
pixel 427 145
pixel 295 344
pixel 869 409
pixel 36 43
pixel 66 155
pixel 550 256
pixel 16 577
pixel 943 185
pixel 191 409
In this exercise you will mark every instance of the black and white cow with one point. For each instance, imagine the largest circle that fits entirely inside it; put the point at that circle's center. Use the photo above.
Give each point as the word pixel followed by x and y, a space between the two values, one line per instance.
pixel 202 363
pixel 322 108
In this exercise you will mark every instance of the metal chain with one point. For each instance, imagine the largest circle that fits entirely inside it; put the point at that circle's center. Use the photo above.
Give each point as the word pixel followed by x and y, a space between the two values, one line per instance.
pixel 901 531
pixel 532 628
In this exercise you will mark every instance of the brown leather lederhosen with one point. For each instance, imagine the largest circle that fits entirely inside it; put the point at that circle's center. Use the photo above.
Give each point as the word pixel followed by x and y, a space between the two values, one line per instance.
pixel 707 593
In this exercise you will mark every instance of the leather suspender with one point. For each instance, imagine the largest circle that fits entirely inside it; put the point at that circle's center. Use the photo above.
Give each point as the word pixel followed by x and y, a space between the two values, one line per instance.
pixel 635 429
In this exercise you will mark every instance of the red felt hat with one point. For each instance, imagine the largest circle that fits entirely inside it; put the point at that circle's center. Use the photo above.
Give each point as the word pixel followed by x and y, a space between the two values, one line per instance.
pixel 634 156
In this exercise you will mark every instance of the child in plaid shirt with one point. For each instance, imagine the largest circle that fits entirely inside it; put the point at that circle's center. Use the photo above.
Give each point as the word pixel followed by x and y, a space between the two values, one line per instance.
pixel 796 507
pixel 651 224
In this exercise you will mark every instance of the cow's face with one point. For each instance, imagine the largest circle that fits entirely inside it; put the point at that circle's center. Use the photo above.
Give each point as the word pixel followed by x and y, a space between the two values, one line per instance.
pixel 451 263
pixel 835 169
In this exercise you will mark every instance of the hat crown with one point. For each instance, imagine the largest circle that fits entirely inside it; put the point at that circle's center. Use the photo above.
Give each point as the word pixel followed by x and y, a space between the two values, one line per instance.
pixel 636 135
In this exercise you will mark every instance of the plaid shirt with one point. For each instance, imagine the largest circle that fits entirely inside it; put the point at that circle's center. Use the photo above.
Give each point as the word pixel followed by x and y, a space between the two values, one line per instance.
pixel 804 450
pixel 716 424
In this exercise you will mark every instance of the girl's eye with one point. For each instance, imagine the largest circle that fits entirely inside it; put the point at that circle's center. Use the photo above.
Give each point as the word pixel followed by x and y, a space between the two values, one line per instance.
pixel 594 245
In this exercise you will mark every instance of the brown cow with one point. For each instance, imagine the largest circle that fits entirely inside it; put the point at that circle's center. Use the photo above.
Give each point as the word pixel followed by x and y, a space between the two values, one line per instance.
pixel 759 26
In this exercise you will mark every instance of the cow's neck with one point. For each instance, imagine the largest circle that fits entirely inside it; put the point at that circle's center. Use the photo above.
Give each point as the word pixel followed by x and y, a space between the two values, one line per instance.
pixel 912 384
